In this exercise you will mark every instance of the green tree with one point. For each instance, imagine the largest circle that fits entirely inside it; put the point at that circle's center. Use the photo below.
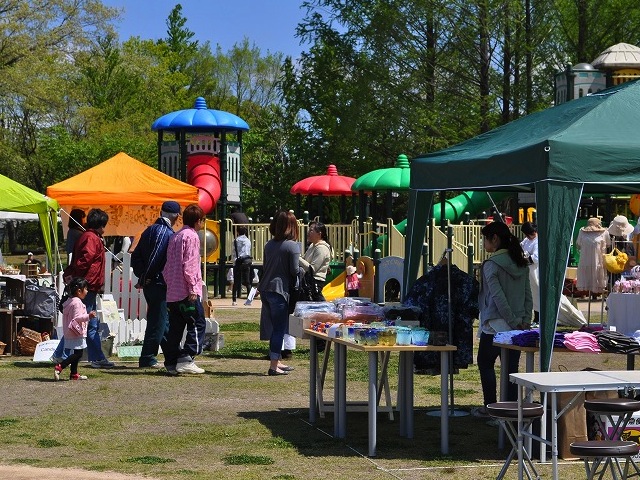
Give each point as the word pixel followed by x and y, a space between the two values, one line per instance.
pixel 38 40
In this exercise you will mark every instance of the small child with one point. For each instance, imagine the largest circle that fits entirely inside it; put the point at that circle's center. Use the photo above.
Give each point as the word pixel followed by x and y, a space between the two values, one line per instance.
pixel 74 323
pixel 352 282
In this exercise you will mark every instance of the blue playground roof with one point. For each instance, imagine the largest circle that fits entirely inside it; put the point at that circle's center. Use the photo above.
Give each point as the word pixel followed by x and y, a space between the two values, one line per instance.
pixel 200 118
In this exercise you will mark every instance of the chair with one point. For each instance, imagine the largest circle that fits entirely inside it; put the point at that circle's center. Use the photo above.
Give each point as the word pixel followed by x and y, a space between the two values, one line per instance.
pixel 618 411
pixel 605 450
pixel 506 413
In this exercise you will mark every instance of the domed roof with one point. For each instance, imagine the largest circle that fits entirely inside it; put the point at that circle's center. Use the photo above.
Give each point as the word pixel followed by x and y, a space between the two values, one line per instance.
pixel 394 178
pixel 200 118
pixel 329 184
pixel 621 55
pixel 583 66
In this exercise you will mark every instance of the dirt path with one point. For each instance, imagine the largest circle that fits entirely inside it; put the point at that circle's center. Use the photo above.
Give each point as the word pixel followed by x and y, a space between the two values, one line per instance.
pixel 22 472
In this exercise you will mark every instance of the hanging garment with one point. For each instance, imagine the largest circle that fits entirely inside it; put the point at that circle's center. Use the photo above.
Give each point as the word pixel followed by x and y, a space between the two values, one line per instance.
pixel 430 294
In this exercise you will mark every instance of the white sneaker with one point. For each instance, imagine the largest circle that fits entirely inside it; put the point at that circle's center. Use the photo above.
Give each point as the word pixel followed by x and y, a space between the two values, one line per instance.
pixel 189 368
pixel 233 304
pixel 104 363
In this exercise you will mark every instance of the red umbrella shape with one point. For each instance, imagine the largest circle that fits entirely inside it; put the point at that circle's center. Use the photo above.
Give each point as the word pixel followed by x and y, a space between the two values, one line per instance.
pixel 330 184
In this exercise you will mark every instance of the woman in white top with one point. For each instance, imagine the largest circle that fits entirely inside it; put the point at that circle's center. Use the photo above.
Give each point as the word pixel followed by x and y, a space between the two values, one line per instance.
pixel 530 247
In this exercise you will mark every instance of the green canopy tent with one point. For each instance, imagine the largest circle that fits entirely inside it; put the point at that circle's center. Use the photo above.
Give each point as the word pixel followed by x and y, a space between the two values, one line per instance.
pixel 18 198
pixel 586 145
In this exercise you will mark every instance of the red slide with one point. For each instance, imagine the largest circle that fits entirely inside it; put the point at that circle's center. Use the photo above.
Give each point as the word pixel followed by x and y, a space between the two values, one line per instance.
pixel 203 172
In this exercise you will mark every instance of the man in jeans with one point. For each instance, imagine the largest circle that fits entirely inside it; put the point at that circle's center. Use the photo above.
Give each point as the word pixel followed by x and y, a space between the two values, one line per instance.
pixel 183 275
pixel 148 260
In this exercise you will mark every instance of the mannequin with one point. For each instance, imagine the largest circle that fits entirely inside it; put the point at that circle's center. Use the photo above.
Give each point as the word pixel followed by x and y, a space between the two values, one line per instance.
pixel 592 242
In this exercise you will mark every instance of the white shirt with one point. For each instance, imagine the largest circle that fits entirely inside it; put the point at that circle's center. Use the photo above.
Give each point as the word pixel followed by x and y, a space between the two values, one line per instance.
pixel 530 248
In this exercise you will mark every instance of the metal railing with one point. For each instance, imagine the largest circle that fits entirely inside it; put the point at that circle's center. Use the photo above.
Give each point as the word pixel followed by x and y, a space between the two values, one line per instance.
pixel 346 238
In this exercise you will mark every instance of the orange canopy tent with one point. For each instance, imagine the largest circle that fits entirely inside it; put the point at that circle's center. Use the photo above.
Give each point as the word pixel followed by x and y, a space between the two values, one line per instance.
pixel 127 189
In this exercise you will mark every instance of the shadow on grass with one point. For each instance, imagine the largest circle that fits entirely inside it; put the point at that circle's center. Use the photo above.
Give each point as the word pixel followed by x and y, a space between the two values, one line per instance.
pixel 466 435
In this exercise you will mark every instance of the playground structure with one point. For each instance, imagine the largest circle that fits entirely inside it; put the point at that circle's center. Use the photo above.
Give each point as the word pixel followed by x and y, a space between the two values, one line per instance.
pixel 201 153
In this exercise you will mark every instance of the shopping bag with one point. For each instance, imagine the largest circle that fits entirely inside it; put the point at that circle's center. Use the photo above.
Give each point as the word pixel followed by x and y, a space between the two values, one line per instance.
pixel 251 296
pixel 40 300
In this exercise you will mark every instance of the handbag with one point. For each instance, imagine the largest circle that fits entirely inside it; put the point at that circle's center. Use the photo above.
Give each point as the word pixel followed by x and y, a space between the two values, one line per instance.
pixel 294 293
pixel 39 300
pixel 615 261
pixel 245 259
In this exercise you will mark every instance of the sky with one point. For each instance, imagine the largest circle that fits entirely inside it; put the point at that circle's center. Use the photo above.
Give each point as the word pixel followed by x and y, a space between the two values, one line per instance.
pixel 269 24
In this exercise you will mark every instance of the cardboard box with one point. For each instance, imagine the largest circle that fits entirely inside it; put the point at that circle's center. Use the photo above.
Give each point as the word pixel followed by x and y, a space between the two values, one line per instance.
pixel 297 326
pixel 630 433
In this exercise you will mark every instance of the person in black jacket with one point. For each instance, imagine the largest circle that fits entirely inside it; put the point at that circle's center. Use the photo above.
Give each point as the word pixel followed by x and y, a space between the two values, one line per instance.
pixel 148 260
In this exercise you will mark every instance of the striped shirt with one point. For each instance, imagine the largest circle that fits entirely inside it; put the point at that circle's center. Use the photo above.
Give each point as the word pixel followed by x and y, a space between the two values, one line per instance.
pixel 182 270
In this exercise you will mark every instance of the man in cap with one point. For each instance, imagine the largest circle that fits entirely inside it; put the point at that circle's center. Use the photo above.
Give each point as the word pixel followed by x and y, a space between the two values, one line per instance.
pixel 31 260
pixel 148 260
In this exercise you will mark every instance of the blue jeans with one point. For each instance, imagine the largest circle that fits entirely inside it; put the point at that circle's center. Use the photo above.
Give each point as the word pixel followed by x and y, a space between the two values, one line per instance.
pixel 157 324
pixel 189 315
pixel 278 311
pixel 94 345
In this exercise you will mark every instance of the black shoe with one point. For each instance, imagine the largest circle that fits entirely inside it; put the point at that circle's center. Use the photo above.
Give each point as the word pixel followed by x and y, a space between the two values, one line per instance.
pixel 273 372
pixel 286 354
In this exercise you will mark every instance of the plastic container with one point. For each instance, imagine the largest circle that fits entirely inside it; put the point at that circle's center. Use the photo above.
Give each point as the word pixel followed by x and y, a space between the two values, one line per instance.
pixel 371 336
pixel 387 337
pixel 403 336
pixel 420 336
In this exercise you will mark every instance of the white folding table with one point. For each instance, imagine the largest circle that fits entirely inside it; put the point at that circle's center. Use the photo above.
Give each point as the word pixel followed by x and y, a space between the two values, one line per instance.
pixel 552 383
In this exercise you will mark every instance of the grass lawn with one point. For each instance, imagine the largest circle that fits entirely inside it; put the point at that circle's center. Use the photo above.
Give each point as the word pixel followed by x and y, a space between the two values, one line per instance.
pixel 235 422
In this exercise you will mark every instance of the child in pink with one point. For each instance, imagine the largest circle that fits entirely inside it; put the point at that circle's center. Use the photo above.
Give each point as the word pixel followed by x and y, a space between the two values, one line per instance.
pixel 74 324
pixel 352 282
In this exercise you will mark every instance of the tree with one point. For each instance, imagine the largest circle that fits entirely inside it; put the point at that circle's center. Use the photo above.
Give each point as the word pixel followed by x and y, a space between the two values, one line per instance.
pixel 38 38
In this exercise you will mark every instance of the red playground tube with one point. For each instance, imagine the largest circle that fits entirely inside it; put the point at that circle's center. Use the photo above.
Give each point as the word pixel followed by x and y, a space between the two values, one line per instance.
pixel 203 172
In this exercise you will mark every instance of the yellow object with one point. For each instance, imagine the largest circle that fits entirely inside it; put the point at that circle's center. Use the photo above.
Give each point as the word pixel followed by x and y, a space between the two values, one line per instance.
pixel 615 261
pixel 335 288
pixel 634 204
pixel 211 246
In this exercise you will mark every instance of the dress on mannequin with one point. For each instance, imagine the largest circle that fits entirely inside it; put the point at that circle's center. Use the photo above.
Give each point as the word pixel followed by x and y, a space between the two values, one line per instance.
pixel 593 242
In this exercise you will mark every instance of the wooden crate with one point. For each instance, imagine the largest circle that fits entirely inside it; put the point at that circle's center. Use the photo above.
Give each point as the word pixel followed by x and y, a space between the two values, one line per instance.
pixel 30 269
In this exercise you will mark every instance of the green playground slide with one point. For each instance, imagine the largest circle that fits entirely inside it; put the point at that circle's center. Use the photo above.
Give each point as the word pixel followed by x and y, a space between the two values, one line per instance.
pixel 455 208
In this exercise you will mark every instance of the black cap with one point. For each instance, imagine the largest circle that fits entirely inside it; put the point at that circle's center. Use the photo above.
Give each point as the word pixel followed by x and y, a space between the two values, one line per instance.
pixel 171 207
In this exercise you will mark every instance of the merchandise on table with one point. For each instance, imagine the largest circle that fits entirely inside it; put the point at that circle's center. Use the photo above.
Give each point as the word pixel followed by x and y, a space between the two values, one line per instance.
pixel 360 321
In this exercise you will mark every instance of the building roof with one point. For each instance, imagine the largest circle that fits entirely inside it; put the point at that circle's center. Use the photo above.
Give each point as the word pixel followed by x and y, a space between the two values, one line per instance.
pixel 621 55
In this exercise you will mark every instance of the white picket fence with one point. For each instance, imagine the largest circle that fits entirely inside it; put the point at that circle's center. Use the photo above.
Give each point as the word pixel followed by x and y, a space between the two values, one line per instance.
pixel 120 284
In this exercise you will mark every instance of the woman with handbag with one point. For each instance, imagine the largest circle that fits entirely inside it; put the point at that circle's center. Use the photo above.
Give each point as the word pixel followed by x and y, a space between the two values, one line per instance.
pixel 317 256
pixel 241 264
pixel 279 272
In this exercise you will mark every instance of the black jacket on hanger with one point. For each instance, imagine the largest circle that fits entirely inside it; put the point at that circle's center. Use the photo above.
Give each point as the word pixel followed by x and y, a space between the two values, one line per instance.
pixel 430 294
